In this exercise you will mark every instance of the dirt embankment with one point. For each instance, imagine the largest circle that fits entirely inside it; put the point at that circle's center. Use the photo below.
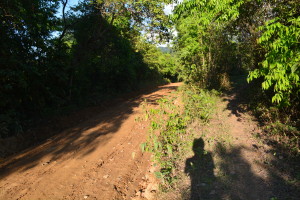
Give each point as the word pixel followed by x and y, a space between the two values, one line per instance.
pixel 100 158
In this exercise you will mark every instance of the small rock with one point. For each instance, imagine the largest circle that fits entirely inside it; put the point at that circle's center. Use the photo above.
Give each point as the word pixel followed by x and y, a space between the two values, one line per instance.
pixel 106 176
pixel 100 163
pixel 86 196
pixel 203 184
pixel 46 163
pixel 280 157
pixel 139 193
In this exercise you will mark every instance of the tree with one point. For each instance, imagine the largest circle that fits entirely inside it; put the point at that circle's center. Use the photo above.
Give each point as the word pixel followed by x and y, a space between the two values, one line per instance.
pixel 50 63
pixel 280 68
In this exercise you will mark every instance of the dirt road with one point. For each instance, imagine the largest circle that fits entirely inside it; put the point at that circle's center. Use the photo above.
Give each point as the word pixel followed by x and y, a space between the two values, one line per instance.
pixel 98 159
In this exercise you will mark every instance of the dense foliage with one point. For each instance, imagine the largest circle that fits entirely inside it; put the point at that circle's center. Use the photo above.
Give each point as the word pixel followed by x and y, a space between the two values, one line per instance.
pixel 205 48
pixel 280 68
pixel 51 62
pixel 218 39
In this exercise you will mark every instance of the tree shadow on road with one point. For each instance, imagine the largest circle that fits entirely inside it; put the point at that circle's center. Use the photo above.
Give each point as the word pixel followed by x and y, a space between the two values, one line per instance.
pixel 95 128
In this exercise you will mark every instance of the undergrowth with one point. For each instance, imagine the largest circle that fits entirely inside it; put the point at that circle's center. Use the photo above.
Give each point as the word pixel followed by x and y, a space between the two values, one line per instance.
pixel 169 139
pixel 281 126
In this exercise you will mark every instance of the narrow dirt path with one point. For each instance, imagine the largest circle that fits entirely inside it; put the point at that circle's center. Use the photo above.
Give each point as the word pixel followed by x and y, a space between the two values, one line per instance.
pixel 98 159
pixel 238 158
pixel 230 162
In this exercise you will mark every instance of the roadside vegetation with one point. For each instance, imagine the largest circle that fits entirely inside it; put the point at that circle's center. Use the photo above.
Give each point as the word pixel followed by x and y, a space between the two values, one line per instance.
pixel 170 135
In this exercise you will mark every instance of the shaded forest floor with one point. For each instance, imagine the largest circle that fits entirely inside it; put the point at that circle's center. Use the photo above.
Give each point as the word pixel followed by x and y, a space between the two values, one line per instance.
pixel 231 159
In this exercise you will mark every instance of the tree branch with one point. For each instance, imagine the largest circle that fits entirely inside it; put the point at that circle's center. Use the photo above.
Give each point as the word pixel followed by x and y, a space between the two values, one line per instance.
pixel 64 2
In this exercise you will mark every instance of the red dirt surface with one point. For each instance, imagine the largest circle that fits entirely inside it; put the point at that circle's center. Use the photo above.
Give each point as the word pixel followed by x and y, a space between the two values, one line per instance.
pixel 100 158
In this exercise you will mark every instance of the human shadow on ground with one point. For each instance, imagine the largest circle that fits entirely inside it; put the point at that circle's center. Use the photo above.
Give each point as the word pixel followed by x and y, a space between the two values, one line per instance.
pixel 200 169
pixel 226 174
pixel 94 129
